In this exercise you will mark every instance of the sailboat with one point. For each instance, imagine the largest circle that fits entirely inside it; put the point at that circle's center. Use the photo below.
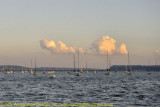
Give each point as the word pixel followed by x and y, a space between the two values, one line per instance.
pixel 31 71
pixel 128 71
pixel 86 67
pixel 74 70
pixel 50 71
pixel 22 70
pixel 116 69
pixel 78 73
pixel 52 76
pixel 11 71
pixel 7 71
pixel 25 68
pixel 149 72
pixel 81 69
pixel 2 69
pixel 35 73
pixel 108 67
pixel 96 70
pixel 44 71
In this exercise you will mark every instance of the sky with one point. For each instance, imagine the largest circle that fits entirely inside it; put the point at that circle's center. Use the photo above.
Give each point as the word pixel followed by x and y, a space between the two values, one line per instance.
pixel 52 30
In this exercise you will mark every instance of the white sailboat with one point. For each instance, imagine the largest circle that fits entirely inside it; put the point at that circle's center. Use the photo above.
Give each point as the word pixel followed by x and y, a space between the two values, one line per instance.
pixel 22 70
pixel 149 72
pixel 51 72
pixel 7 71
pixel 44 71
pixel 11 70
pixel 81 69
pixel 52 76
pixel 25 69
pixel 96 70
pixel 35 73
pixel 2 69
pixel 31 71
pixel 74 65
pixel 86 67
pixel 108 67
pixel 78 72
pixel 128 71
pixel 116 69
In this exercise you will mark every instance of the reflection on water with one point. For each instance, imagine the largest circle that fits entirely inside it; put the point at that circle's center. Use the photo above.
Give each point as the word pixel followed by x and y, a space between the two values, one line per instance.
pixel 138 89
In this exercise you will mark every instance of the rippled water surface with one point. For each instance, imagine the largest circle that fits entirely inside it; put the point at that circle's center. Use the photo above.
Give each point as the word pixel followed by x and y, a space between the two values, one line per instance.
pixel 138 89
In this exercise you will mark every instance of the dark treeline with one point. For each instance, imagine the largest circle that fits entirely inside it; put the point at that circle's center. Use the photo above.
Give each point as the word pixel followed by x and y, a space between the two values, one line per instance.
pixel 112 68
pixel 136 67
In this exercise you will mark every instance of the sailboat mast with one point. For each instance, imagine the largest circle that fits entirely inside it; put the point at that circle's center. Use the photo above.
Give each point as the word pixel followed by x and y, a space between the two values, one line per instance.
pixel 107 60
pixel 109 63
pixel 31 64
pixel 3 68
pixel 78 60
pixel 6 68
pixel 128 59
pixel 35 64
pixel 156 60
pixel 129 62
pixel 116 68
pixel 149 65
pixel 86 65
pixel 74 61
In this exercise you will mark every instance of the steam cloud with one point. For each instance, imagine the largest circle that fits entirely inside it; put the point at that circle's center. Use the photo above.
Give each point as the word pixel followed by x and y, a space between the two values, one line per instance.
pixel 100 46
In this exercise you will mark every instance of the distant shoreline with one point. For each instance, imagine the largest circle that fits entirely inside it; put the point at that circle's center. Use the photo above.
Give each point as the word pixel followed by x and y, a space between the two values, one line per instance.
pixel 112 68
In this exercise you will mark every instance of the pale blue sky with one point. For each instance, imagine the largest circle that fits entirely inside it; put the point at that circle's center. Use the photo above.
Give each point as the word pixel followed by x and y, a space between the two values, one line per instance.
pixel 23 23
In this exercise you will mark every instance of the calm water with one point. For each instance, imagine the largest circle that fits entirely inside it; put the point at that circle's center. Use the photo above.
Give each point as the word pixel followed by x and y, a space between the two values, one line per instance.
pixel 138 89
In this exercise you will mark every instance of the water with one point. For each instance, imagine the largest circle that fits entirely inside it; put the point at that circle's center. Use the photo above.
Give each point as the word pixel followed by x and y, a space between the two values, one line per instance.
pixel 138 89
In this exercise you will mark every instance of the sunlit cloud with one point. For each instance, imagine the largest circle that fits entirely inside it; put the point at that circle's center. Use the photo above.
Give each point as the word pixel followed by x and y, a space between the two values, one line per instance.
pixel 59 48
pixel 107 43
pixel 122 49
pixel 99 46
pixel 157 51
pixel 104 44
